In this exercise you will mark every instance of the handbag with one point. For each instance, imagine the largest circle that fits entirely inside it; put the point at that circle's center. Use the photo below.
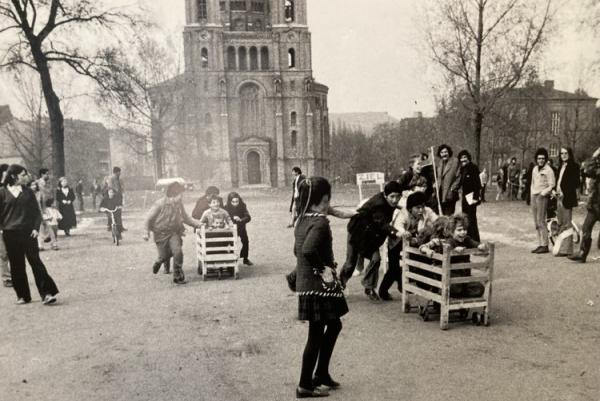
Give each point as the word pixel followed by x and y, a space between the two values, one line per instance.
pixel 329 280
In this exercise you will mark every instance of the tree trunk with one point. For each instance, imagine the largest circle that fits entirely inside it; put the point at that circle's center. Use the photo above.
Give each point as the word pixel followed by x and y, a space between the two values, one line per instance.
pixel 478 114
pixel 157 149
pixel 478 126
pixel 57 128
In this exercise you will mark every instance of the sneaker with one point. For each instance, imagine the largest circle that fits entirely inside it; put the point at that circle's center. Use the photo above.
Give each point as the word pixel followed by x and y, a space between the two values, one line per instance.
pixel 356 273
pixel 248 263
pixel 543 249
pixel 385 296
pixel 372 295
pixel 21 301
pixel 156 267
pixel 7 283
pixel 179 281
pixel 49 299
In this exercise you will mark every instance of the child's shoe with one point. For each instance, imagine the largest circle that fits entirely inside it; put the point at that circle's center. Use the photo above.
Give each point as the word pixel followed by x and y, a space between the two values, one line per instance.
pixel 247 262
pixel 156 267
pixel 54 247
pixel 49 299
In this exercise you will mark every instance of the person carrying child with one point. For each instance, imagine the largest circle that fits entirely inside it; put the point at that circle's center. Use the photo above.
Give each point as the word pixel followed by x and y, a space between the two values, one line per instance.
pixel 457 238
pixel 112 202
pixel 166 220
pixel 408 222
pixel 51 216
pixel 238 211
pixel 321 301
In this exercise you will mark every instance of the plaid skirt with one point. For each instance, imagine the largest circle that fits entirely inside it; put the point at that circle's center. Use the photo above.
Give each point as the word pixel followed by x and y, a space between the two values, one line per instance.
pixel 315 308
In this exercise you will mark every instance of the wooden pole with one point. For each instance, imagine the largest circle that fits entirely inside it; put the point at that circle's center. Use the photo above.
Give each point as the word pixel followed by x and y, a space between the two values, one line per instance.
pixel 437 189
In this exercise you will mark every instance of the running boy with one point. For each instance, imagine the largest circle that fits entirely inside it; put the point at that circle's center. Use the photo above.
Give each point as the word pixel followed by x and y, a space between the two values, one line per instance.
pixel 166 219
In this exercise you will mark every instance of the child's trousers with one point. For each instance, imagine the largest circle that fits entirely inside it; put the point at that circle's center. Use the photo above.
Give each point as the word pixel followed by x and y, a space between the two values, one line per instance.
pixel 172 246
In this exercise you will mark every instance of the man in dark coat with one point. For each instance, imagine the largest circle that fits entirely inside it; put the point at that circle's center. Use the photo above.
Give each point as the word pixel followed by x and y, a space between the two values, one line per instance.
pixel 591 170
pixel 367 231
pixel 447 180
pixel 470 185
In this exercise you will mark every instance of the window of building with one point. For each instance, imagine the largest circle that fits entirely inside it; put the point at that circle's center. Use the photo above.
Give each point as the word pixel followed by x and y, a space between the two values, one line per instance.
pixel 223 6
pixel 242 61
pixel 291 58
pixel 204 57
pixel 555 122
pixel 205 85
pixel 554 150
pixel 207 119
pixel 251 115
pixel 292 85
pixel 257 6
pixel 294 138
pixel 258 25
pixel 289 11
pixel 237 5
pixel 239 24
pixel 264 58
pixel 293 118
pixel 231 64
pixel 253 58
pixel 202 11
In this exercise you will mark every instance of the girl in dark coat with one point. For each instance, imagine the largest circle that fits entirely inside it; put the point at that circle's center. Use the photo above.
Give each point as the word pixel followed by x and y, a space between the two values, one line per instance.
pixel 470 185
pixel 20 219
pixel 566 196
pixel 64 199
pixel 320 298
pixel 236 207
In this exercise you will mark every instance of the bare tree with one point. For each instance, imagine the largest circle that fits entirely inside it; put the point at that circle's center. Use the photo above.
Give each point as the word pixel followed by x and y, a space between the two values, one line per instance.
pixel 485 48
pixel 29 135
pixel 142 97
pixel 45 32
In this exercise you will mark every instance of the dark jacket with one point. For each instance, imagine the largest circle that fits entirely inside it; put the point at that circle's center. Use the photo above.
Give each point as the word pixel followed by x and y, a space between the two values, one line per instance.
pixel 202 205
pixel 591 170
pixel 240 211
pixel 313 250
pixel 21 213
pixel 469 181
pixel 301 178
pixel 166 219
pixel 67 210
pixel 569 185
pixel 368 229
pixel 527 188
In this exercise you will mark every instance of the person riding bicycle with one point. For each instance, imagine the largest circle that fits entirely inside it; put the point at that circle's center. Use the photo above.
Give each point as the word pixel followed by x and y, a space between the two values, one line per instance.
pixel 112 202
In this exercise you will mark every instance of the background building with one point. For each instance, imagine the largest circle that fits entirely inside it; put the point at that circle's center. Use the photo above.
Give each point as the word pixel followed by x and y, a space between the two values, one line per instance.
pixel 252 109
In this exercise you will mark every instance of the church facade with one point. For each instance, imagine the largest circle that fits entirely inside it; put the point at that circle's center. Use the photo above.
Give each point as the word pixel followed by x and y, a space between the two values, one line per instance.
pixel 252 109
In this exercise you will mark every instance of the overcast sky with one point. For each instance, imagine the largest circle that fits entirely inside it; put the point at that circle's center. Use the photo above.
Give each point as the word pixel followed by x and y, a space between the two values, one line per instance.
pixel 366 52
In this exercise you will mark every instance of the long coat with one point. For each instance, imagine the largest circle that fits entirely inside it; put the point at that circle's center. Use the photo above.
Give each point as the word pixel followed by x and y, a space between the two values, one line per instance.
pixel 67 209
pixel 569 185
pixel 470 181
pixel 447 179
pixel 295 184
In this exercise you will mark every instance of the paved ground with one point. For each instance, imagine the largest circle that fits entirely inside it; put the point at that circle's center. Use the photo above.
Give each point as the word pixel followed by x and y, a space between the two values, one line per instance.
pixel 121 333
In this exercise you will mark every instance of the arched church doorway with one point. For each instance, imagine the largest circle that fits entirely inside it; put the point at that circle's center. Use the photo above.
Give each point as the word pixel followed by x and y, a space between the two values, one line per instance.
pixel 254 175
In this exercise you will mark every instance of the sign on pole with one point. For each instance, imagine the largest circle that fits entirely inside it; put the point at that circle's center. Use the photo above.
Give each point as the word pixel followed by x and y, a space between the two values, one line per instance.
pixel 369 184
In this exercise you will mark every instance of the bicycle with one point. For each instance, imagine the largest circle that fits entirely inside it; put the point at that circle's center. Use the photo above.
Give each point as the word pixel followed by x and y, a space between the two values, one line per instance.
pixel 116 234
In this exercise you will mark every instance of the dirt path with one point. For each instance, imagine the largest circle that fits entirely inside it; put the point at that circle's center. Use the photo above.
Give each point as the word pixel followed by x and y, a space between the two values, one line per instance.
pixel 121 333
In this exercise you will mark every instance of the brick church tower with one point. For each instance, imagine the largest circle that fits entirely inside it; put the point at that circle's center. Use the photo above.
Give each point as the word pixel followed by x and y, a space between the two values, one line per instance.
pixel 252 109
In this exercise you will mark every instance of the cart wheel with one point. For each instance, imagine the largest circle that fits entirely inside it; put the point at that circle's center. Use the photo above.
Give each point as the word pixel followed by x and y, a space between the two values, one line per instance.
pixel 421 310
pixel 203 277
pixel 426 316
pixel 219 274
pixel 463 313
pixel 475 319
pixel 486 319
pixel 236 275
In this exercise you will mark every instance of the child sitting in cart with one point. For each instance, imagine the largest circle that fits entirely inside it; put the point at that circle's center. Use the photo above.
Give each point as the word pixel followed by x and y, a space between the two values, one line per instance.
pixel 216 217
pixel 112 202
pixel 456 236
pixel 166 221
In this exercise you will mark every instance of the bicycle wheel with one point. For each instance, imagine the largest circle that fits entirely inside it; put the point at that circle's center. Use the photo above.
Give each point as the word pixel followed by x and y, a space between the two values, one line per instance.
pixel 115 235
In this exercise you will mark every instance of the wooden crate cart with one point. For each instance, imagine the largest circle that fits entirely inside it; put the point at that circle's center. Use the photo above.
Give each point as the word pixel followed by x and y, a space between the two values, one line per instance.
pixel 217 252
pixel 431 279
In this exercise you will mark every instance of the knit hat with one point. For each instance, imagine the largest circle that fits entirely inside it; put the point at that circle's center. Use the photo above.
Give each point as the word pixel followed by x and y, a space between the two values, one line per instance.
pixel 415 199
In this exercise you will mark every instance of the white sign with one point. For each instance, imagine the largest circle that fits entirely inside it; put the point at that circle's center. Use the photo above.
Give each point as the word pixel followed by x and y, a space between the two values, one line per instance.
pixel 370 178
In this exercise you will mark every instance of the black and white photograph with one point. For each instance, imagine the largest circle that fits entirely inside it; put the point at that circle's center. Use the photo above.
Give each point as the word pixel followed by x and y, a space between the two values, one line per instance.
pixel 267 200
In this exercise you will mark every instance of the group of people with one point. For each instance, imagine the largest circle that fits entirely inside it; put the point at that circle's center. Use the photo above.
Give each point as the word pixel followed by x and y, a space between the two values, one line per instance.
pixel 167 216
pixel 402 212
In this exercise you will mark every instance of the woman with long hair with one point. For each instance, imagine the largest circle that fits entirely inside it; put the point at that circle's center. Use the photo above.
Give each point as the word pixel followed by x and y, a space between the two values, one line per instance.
pixel 20 219
pixel 64 199
pixel 566 196
pixel 320 298
pixel 237 209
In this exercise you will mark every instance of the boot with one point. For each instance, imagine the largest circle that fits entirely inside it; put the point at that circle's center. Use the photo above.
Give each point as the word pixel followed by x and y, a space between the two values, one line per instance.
pixel 581 256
